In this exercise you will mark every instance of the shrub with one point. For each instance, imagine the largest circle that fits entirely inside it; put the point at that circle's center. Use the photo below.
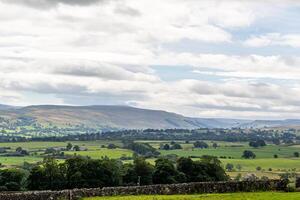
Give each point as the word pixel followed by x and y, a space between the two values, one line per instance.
pixel 248 154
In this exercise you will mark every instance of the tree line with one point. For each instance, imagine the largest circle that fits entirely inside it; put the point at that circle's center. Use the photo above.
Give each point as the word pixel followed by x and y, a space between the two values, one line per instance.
pixel 230 135
pixel 83 172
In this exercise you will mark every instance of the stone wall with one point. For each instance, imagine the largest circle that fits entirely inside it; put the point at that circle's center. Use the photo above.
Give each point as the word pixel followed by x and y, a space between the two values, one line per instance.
pixel 185 188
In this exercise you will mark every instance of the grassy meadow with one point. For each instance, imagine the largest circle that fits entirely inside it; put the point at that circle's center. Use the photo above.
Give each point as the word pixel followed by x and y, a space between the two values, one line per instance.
pixel 230 152
pixel 229 196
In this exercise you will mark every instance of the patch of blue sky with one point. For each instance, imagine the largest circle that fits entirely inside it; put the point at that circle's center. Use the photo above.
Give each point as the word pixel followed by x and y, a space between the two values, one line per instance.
pixel 174 73
pixel 234 48
pixel 283 21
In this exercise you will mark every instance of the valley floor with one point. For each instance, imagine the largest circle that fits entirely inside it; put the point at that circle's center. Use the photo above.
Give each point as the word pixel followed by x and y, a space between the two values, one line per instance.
pixel 229 196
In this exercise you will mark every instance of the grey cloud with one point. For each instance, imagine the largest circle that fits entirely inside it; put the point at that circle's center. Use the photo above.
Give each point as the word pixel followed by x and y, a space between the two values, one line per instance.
pixel 124 10
pixel 250 90
pixel 45 4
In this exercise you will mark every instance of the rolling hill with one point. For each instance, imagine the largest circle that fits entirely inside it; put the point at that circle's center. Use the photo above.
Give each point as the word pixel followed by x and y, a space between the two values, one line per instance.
pixel 117 117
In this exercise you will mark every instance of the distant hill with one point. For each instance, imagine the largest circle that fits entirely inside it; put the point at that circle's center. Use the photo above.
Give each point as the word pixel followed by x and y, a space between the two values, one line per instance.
pixel 118 117
pixel 287 123
pixel 6 107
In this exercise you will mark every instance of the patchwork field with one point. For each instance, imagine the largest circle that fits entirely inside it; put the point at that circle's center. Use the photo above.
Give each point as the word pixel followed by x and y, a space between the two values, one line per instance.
pixel 102 152
pixel 228 152
pixel 231 196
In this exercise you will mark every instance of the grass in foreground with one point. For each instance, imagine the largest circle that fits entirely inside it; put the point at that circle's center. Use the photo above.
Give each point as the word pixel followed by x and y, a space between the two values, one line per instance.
pixel 229 196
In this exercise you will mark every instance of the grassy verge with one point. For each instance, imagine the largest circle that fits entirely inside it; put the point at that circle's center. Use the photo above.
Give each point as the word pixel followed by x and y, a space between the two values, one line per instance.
pixel 230 196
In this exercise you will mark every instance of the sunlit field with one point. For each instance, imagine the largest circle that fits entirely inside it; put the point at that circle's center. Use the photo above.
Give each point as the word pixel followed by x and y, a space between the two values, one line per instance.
pixel 231 196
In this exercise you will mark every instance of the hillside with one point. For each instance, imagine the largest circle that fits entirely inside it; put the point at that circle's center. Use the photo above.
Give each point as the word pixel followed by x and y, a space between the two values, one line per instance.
pixel 48 119
pixel 45 118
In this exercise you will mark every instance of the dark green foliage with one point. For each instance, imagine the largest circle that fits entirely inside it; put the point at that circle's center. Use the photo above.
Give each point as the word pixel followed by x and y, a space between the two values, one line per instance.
pixel 296 154
pixel 248 154
pixel 76 148
pixel 111 146
pixel 143 170
pixel 49 175
pixel 208 169
pixel 215 145
pixel 176 146
pixel 13 179
pixel 229 167
pixel 69 146
pixel 140 172
pixel 83 172
pixel 258 168
pixel 165 172
pixel 257 143
pixel 166 147
pixel 200 144
pixel 144 149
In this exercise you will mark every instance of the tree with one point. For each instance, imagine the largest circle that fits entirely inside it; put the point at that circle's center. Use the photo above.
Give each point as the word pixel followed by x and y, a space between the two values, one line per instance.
pixel 166 147
pixel 275 156
pixel 164 172
pixel 239 167
pixel 207 169
pixel 176 146
pixel 13 179
pixel 248 154
pixel 76 148
pixel 257 143
pixel 229 167
pixel 111 146
pixel 276 141
pixel 296 154
pixel 19 149
pixel 185 165
pixel 144 149
pixel 143 171
pixel 49 175
pixel 215 145
pixel 69 146
pixel 258 168
pixel 200 144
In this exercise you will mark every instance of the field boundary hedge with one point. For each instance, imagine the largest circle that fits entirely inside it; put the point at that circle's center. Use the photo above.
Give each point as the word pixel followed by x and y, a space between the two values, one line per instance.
pixel 168 189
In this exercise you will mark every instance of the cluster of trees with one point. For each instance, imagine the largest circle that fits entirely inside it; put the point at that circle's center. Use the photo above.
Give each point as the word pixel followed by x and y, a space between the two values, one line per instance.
pixel 172 146
pixel 201 144
pixel 257 143
pixel 248 154
pixel 82 172
pixel 143 149
pixel 230 167
pixel 231 135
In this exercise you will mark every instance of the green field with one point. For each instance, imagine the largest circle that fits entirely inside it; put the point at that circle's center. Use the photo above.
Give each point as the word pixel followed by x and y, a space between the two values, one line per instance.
pixel 16 161
pixel 36 150
pixel 232 151
pixel 230 196
pixel 278 164
pixel 44 145
pixel 236 152
pixel 102 152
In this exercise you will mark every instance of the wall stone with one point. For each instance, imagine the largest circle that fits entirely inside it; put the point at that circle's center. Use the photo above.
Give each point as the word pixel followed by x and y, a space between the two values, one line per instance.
pixel 184 188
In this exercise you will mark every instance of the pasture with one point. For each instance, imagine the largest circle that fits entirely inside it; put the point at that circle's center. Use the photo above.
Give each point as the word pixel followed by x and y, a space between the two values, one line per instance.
pixel 228 152
pixel 229 196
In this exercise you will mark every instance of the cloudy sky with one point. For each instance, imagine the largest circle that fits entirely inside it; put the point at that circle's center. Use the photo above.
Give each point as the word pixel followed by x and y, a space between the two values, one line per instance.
pixel 203 58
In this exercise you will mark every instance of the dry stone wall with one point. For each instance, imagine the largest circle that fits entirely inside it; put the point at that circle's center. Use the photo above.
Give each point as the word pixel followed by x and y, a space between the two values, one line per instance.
pixel 184 188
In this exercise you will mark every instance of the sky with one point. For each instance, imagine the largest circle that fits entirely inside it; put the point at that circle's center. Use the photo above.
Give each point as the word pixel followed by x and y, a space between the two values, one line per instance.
pixel 208 58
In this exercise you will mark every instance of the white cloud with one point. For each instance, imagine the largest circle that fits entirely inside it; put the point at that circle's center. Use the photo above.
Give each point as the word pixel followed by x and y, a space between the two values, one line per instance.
pixel 105 49
pixel 272 39
pixel 249 66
